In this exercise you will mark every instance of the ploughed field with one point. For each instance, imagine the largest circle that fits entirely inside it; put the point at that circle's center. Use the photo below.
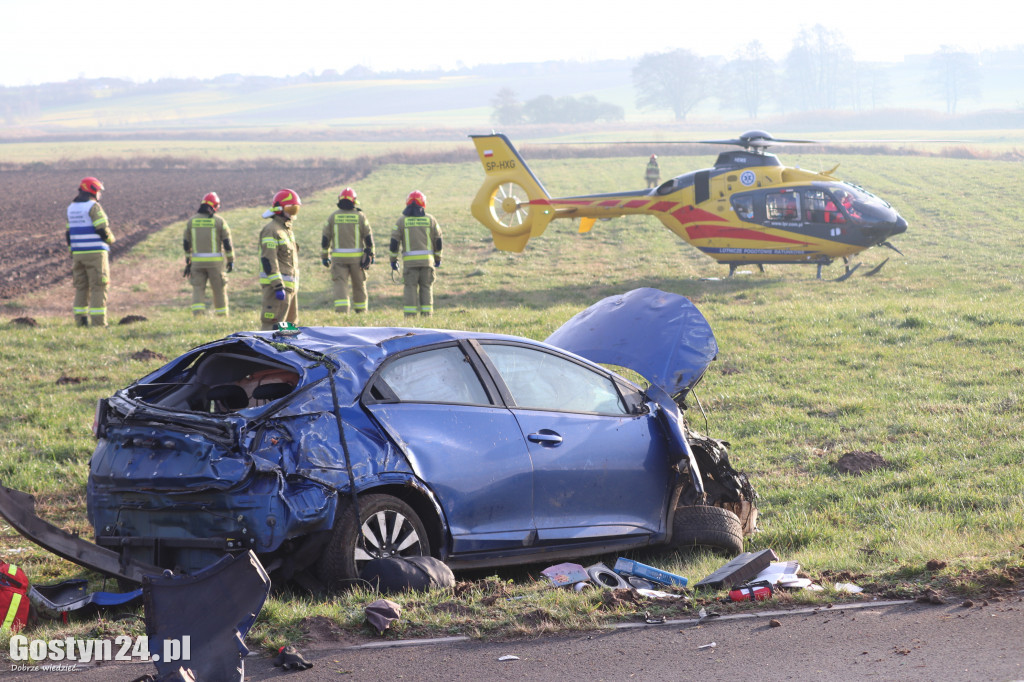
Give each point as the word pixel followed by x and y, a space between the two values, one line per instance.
pixel 138 201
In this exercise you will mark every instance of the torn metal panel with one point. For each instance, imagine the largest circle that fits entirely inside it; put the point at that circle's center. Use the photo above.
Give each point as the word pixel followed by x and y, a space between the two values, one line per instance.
pixel 20 511
pixel 658 335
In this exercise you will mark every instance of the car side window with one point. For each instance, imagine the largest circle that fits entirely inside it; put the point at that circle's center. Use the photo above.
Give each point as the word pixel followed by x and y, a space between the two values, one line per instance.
pixel 441 375
pixel 543 381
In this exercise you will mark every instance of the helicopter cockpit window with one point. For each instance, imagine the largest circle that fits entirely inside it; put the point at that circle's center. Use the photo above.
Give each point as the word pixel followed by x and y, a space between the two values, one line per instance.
pixel 847 198
pixel 820 207
pixel 744 207
pixel 782 206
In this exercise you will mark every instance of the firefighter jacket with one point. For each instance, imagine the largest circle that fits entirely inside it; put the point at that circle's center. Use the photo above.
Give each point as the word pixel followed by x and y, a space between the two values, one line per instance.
pixel 279 254
pixel 346 236
pixel 418 239
pixel 87 228
pixel 208 240
pixel 653 172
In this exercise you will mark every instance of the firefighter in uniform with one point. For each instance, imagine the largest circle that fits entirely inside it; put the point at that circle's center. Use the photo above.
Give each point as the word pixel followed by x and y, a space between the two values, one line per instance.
pixel 347 249
pixel 208 256
pixel 417 237
pixel 653 173
pixel 279 261
pixel 89 237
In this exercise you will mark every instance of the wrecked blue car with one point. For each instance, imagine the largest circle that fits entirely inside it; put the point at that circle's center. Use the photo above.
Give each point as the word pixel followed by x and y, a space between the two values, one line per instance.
pixel 323 448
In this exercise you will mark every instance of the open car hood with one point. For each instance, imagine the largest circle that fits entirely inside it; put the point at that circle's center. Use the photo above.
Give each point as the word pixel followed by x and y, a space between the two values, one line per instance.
pixel 658 335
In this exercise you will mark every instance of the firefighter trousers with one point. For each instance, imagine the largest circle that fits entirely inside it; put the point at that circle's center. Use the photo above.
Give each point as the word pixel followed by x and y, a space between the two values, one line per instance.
pixel 274 311
pixel 342 271
pixel 90 273
pixel 218 279
pixel 418 296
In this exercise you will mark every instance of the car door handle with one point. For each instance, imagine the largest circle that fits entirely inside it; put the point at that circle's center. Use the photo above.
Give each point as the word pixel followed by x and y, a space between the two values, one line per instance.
pixel 545 437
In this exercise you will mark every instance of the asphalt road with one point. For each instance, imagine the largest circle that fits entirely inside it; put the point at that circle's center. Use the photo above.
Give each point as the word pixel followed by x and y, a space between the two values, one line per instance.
pixel 882 641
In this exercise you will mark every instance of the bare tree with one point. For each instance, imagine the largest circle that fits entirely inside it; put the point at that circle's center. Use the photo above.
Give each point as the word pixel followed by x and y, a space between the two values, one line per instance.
pixel 955 74
pixel 749 79
pixel 676 80
pixel 508 110
pixel 814 68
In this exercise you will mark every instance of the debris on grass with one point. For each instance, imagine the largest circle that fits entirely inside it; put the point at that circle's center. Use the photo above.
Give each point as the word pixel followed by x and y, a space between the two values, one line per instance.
pixel 24 322
pixel 146 354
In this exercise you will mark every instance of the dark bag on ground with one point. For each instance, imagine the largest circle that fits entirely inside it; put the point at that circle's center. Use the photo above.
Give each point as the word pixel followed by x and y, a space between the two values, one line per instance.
pixel 397 574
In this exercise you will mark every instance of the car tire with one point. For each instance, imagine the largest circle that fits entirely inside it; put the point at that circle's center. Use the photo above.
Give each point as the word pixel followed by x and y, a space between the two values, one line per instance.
pixel 352 545
pixel 705 526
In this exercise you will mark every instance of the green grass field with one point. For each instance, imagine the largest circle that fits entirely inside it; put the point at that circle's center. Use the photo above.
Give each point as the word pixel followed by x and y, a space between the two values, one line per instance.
pixel 922 364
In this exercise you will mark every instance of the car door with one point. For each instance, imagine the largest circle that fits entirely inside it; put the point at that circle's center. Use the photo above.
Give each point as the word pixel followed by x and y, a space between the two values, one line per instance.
pixel 598 470
pixel 442 410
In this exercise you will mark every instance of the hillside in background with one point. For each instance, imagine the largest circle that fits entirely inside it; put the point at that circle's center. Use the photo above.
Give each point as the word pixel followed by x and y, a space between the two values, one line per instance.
pixel 360 99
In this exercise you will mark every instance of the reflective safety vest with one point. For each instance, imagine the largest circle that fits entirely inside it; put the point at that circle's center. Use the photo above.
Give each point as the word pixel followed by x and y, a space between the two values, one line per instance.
pixel 82 227
pixel 417 242
pixel 279 252
pixel 13 597
pixel 206 239
pixel 345 236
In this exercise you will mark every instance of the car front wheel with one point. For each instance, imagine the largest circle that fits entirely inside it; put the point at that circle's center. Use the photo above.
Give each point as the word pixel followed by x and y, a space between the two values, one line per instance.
pixel 387 527
pixel 706 526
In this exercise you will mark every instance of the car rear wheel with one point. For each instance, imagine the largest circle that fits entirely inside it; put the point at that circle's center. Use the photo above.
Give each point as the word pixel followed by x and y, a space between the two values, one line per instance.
pixel 387 527
pixel 705 526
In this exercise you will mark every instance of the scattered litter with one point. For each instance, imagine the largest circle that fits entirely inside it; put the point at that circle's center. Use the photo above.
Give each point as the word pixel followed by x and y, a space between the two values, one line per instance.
pixel 562 575
pixel 653 620
pixel 774 623
pixel 708 646
pixel 755 591
pixel 848 587
pixel 508 657
pixel 628 567
pixel 381 613
pixel 132 319
pixel 640 583
pixel 289 658
pixel 740 569
pixel 793 583
pixel 582 585
pixel 658 594
pixel 605 577
pixel 25 322
pixel 778 571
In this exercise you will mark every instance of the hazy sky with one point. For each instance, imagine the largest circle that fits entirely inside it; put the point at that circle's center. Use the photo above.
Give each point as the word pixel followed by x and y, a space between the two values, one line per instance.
pixel 57 40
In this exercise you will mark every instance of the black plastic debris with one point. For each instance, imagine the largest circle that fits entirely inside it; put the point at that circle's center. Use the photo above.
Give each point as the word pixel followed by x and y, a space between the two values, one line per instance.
pixel 398 574
pixel 200 621
pixel 739 570
pixel 289 658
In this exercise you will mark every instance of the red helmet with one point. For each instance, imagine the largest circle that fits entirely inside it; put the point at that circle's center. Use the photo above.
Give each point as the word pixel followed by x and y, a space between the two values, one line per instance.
pixel 348 193
pixel 416 197
pixel 286 201
pixel 212 200
pixel 91 185
pixel 653 157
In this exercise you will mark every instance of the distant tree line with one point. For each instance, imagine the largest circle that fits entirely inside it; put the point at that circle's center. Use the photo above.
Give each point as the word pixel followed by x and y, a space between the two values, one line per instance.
pixel 508 110
pixel 818 73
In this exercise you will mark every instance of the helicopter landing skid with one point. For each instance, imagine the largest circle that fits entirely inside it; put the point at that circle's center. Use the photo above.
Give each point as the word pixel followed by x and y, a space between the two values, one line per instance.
pixel 874 270
pixel 733 266
pixel 845 275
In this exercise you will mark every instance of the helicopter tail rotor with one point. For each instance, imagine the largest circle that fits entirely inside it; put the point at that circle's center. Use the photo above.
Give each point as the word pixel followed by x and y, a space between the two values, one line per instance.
pixel 511 203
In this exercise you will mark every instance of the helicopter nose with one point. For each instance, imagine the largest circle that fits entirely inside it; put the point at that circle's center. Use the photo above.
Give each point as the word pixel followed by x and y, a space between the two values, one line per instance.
pixel 900 225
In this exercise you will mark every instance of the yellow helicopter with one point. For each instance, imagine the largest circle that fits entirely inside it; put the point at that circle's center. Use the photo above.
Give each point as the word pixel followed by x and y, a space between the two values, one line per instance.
pixel 748 209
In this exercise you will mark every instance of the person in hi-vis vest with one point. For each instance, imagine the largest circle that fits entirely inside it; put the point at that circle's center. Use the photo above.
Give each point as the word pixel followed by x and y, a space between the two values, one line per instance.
pixel 208 256
pixel 89 238
pixel 417 239
pixel 279 262
pixel 347 249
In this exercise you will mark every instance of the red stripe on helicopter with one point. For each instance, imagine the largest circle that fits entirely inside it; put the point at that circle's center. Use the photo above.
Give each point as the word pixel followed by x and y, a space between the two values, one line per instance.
pixel 689 214
pixel 729 232
pixel 636 203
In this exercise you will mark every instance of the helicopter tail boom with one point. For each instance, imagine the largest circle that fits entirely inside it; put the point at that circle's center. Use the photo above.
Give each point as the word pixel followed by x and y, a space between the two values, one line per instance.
pixel 511 203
